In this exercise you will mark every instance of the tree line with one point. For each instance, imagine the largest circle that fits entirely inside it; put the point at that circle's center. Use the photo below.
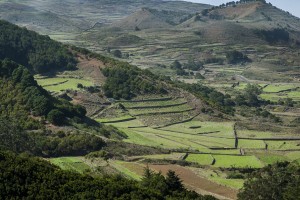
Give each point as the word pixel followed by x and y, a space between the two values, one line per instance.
pixel 25 177
pixel 125 81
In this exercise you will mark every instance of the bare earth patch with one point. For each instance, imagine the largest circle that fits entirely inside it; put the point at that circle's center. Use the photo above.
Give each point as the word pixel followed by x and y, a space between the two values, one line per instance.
pixel 91 68
pixel 199 184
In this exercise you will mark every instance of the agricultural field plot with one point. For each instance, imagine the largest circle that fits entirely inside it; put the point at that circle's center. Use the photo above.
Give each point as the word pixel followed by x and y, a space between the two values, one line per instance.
pixel 197 139
pixel 149 139
pixel 237 161
pixel 115 120
pixel 222 152
pixel 294 155
pixel 262 134
pixel 70 163
pixel 179 108
pixel 162 103
pixel 130 170
pixel 61 84
pixel 186 139
pixel 229 71
pixel 171 156
pixel 169 140
pixel 126 124
pixel 274 97
pixel 202 159
pixel 242 86
pixel 217 129
pixel 170 118
pixel 193 180
pixel 271 158
pixel 219 86
pixel 275 88
pixel 295 95
pixel 219 177
pixel 283 145
pixel 251 144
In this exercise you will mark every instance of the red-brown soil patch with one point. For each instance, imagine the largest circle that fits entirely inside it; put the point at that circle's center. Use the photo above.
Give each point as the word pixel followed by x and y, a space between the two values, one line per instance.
pixel 197 183
pixel 91 68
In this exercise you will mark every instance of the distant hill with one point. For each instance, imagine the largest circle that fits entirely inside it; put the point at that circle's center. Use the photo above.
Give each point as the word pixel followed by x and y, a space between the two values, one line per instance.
pixel 142 19
pixel 256 14
pixel 147 18
pixel 63 16
pixel 244 23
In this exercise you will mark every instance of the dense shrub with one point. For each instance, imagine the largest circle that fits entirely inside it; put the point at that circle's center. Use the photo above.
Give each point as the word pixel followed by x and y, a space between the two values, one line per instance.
pixel 275 36
pixel 216 99
pixel 14 138
pixel 56 117
pixel 21 96
pixel 234 57
pixel 38 53
pixel 125 81
pixel 274 182
pixel 24 177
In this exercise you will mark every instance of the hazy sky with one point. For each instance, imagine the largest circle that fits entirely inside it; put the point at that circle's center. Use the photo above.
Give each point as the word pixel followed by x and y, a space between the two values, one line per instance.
pixel 293 6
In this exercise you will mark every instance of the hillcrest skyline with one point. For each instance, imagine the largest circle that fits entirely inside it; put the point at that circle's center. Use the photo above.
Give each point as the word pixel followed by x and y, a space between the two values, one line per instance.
pixel 292 6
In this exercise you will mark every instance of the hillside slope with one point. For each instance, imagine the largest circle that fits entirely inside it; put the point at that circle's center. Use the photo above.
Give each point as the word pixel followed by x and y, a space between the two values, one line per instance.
pixel 143 19
pixel 72 17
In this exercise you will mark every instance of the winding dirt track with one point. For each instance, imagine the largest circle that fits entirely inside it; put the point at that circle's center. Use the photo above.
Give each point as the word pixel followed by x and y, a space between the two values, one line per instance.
pixel 199 184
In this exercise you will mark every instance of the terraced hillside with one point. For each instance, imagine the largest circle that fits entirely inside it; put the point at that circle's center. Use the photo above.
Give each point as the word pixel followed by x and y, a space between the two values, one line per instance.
pixel 239 114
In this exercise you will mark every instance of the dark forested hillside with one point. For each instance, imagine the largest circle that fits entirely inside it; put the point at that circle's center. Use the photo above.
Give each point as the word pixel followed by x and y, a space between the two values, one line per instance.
pixel 38 53
pixel 278 181
pixel 125 81
pixel 21 96
pixel 24 177
pixel 26 106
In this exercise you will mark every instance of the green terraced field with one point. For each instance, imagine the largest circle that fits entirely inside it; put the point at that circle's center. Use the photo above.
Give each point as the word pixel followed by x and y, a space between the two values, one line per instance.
pixel 237 161
pixel 274 88
pixel 233 183
pixel 223 129
pixel 179 108
pixel 262 134
pixel 149 139
pixel 283 145
pixel 202 159
pixel 61 84
pixel 195 139
pixel 112 120
pixel 129 105
pixel 295 95
pixel 121 167
pixel 251 144
pixel 294 155
pixel 70 163
pixel 126 124
pixel 219 177
pixel 189 136
pixel 272 158
pixel 171 156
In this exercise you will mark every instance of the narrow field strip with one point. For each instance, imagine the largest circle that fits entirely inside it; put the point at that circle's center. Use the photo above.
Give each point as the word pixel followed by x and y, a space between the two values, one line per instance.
pixel 157 106
pixel 70 163
pixel 169 110
pixel 115 120
pixel 146 100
